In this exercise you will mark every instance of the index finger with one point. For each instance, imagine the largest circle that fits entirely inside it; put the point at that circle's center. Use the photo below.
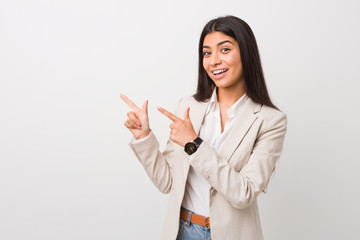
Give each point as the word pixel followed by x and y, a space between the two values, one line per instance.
pixel 168 114
pixel 129 102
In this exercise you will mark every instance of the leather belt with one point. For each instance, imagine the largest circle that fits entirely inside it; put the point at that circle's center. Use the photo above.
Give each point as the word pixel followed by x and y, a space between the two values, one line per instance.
pixel 197 219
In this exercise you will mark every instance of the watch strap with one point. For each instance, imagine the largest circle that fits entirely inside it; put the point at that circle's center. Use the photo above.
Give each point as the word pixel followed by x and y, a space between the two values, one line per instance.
pixel 198 141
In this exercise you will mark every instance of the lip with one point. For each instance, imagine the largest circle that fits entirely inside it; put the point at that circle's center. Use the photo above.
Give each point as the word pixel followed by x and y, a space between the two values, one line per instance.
pixel 219 69
pixel 220 75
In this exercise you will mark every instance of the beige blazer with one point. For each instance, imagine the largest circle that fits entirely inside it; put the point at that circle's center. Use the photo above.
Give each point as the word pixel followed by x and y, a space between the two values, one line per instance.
pixel 237 174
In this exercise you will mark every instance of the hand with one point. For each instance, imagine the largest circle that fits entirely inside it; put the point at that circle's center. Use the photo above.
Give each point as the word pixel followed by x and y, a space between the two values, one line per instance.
pixel 182 131
pixel 138 120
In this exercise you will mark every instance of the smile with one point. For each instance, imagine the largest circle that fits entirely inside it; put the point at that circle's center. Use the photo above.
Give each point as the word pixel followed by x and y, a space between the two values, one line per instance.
pixel 216 72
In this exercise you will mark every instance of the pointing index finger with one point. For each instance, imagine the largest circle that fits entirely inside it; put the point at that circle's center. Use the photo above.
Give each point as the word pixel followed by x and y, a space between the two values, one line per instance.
pixel 171 116
pixel 129 102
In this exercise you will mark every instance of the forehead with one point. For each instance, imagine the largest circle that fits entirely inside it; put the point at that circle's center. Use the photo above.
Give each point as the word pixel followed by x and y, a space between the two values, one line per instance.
pixel 214 38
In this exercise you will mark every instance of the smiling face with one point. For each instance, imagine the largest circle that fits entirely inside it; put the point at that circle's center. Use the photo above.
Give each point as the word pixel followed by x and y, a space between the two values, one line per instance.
pixel 222 60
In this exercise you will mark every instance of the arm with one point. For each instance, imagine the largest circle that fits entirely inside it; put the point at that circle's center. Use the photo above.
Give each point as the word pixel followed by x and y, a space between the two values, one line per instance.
pixel 242 188
pixel 157 165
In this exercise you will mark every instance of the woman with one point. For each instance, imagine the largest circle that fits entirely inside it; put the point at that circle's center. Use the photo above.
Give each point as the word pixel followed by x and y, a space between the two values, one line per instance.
pixel 221 155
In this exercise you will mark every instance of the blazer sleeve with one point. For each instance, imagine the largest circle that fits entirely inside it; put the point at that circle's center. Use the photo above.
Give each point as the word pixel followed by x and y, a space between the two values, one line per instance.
pixel 242 188
pixel 158 165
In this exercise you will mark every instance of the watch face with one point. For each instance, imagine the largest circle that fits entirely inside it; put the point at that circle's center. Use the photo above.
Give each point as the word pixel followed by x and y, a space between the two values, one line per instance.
pixel 190 148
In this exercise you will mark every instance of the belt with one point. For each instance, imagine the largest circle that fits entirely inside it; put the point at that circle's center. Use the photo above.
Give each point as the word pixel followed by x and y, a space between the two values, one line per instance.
pixel 197 219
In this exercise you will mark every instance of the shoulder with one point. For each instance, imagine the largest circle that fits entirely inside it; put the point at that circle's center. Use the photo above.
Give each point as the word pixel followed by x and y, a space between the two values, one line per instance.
pixel 271 117
pixel 268 113
pixel 188 102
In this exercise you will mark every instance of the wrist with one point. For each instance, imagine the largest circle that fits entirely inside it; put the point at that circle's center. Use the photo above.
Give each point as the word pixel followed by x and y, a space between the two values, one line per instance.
pixel 143 135
pixel 191 147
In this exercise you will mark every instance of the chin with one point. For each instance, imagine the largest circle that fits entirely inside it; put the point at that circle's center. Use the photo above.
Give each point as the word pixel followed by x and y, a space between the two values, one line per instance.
pixel 221 84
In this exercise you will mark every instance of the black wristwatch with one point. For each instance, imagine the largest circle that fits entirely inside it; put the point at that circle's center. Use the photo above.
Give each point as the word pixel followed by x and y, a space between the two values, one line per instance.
pixel 192 146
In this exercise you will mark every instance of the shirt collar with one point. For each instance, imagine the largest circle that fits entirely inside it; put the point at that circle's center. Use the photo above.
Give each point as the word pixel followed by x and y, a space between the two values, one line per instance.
pixel 237 106
pixel 213 102
pixel 232 111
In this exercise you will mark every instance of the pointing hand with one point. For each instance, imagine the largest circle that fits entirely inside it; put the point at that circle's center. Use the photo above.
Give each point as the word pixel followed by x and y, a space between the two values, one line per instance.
pixel 182 131
pixel 138 119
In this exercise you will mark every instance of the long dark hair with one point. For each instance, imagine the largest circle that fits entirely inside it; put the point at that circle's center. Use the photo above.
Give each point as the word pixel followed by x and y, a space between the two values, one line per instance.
pixel 238 29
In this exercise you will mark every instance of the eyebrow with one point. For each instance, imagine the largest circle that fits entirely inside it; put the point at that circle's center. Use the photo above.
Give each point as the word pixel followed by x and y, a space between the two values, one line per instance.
pixel 220 43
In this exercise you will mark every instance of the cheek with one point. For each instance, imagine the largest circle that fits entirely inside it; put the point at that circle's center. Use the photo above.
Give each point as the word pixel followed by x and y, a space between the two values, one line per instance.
pixel 206 66
pixel 233 60
pixel 238 71
pixel 236 63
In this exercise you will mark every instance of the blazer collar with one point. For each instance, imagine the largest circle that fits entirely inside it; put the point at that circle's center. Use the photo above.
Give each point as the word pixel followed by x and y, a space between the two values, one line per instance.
pixel 241 125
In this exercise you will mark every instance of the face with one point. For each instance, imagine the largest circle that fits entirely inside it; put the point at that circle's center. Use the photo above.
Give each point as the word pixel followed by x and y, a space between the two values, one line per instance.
pixel 222 60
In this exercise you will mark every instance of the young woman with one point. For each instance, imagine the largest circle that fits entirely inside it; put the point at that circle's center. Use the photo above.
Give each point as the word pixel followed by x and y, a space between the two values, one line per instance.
pixel 222 152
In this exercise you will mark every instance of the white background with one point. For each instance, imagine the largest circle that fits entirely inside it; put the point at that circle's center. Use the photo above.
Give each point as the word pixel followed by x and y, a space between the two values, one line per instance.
pixel 66 171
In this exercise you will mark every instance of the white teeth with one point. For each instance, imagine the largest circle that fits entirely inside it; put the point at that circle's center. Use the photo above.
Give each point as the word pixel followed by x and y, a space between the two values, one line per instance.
pixel 219 71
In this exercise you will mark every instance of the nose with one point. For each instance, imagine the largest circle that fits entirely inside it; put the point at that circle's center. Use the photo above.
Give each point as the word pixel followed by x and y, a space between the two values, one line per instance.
pixel 215 59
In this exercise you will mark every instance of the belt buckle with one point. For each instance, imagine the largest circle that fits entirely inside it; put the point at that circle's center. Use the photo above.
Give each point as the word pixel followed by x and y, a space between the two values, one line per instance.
pixel 207 223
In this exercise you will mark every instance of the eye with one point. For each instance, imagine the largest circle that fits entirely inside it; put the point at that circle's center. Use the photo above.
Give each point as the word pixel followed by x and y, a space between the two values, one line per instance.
pixel 224 50
pixel 206 54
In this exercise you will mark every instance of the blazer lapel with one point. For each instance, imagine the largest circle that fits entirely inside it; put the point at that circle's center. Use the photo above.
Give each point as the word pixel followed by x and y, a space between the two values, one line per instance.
pixel 197 114
pixel 241 126
pixel 238 131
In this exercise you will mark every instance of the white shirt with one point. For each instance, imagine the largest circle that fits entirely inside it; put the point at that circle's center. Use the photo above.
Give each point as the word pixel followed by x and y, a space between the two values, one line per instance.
pixel 197 191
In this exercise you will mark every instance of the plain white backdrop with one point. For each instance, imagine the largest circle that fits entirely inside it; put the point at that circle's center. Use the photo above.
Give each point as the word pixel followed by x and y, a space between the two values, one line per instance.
pixel 66 171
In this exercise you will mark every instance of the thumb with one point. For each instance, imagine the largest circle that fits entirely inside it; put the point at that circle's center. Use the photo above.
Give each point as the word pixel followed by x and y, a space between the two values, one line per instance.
pixel 186 114
pixel 145 107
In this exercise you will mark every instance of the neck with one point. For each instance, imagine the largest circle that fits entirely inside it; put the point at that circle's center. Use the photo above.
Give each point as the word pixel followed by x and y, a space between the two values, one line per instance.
pixel 228 96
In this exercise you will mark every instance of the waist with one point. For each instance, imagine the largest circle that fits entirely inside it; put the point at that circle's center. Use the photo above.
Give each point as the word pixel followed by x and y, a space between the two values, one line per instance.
pixel 192 217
